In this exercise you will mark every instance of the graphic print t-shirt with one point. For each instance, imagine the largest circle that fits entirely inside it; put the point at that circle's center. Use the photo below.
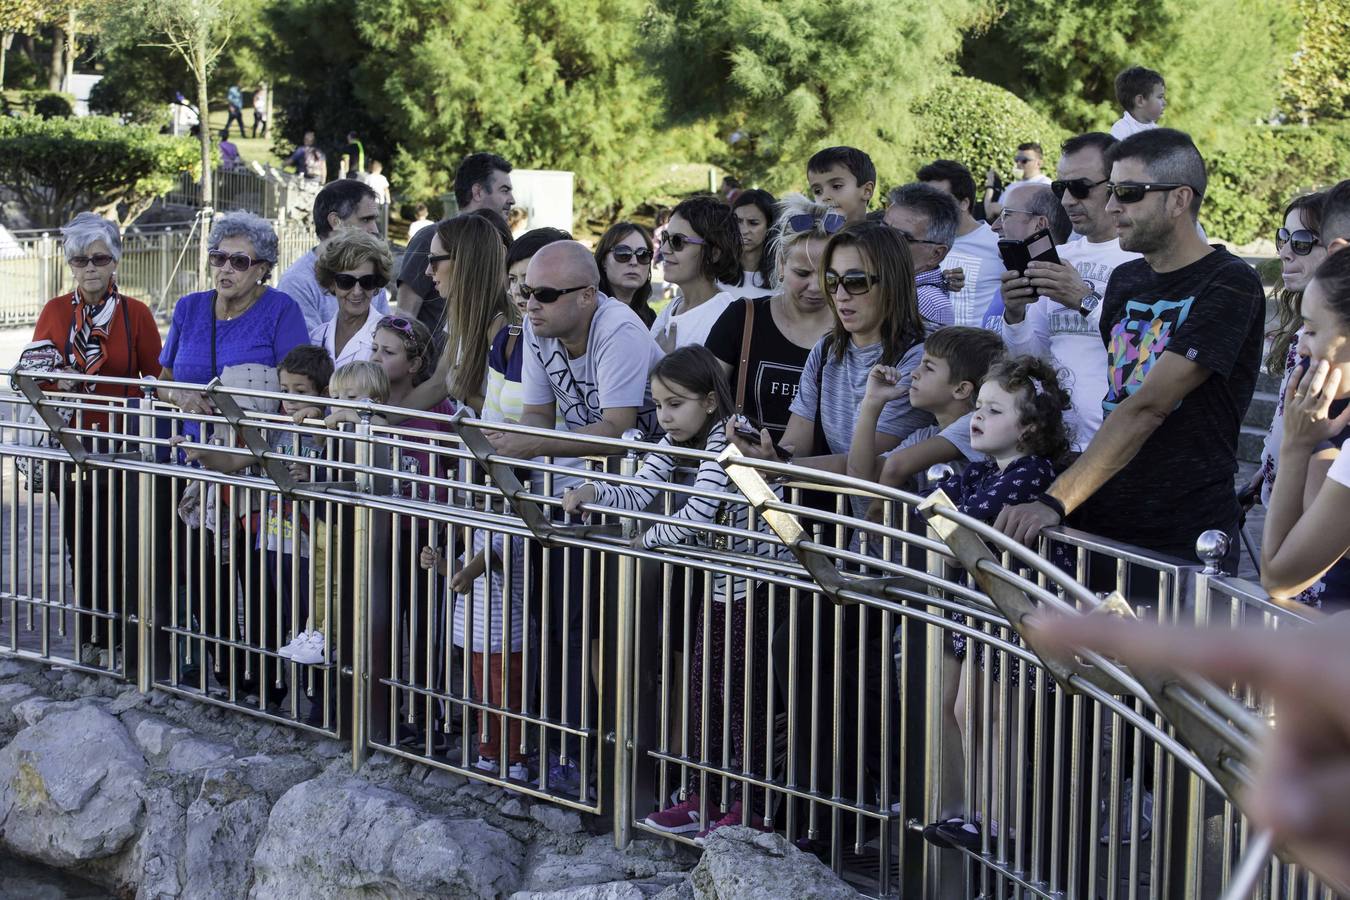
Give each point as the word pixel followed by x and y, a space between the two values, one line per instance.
pixel 774 371
pixel 1180 483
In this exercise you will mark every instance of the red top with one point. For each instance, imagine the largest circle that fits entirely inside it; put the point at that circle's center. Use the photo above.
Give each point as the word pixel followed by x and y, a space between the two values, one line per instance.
pixel 124 356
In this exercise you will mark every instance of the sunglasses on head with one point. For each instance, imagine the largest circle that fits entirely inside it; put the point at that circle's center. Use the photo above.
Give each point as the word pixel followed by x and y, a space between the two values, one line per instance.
pixel 1078 187
pixel 347 282
pixel 623 253
pixel 1301 241
pixel 1133 191
pixel 547 294
pixel 240 262
pixel 854 281
pixel 98 259
pixel 829 223
pixel 677 242
pixel 396 323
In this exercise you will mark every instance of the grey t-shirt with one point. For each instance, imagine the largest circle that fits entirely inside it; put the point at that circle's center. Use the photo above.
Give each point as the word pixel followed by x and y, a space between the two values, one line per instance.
pixel 843 383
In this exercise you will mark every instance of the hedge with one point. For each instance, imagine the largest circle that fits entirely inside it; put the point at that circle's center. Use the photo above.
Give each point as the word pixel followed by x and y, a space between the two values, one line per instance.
pixel 980 124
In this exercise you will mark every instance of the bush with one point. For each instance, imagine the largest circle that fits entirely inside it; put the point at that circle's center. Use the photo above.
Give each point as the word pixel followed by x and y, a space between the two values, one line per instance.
pixel 980 124
pixel 1250 183
pixel 51 105
pixel 57 167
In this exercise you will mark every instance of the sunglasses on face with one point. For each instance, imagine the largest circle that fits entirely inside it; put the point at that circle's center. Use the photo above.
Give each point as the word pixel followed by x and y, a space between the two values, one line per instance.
pixel 854 281
pixel 547 294
pixel 623 253
pixel 240 262
pixel 1301 242
pixel 678 242
pixel 912 239
pixel 1021 160
pixel 347 282
pixel 1133 192
pixel 1078 187
pixel 829 223
pixel 98 259
pixel 433 261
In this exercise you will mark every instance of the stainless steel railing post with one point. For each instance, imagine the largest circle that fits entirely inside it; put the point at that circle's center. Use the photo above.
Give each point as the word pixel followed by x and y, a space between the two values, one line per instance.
pixel 360 549
pixel 625 690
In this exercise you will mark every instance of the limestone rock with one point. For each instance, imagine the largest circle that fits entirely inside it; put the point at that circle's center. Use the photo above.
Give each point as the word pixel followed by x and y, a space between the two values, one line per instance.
pixel 224 825
pixel 680 891
pixel 71 788
pixel 12 668
pixel 161 850
pixel 10 696
pixel 743 864
pixel 614 890
pixel 192 753
pixel 557 819
pixel 345 838
pixel 157 736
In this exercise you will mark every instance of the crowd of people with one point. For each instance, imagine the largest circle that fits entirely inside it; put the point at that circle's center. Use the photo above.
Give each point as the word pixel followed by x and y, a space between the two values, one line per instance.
pixel 1073 347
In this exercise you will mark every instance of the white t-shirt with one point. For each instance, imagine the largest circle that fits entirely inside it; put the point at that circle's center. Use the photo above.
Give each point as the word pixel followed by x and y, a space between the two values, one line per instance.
pixel 1127 125
pixel 1034 179
pixel 1070 340
pixel 379 184
pixel 752 285
pixel 357 348
pixel 691 327
pixel 957 434
pixel 417 225
pixel 976 254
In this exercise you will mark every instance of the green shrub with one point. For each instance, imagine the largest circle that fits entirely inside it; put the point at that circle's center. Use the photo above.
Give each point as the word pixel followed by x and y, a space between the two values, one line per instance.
pixel 980 125
pixel 52 105
pixel 1250 183
pixel 57 167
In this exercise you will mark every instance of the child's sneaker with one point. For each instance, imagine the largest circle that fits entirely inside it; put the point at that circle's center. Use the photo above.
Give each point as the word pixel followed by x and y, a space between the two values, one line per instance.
pixel 486 764
pixel 311 649
pixel 677 819
pixel 518 772
pixel 290 648
pixel 733 817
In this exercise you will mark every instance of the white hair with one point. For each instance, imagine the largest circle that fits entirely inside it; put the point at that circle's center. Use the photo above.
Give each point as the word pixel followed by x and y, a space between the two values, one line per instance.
pixel 258 230
pixel 88 228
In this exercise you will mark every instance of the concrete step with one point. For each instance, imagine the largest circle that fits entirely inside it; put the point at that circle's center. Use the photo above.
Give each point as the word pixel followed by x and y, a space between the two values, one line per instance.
pixel 1250 441
pixel 1262 410
pixel 1267 383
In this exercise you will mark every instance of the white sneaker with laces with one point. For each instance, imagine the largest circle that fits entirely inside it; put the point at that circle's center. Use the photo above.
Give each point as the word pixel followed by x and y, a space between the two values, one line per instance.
pixel 311 651
pixel 289 650
pixel 519 772
pixel 484 764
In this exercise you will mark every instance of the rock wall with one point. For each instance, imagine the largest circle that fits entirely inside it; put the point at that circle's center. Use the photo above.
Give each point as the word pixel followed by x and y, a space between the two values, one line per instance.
pixel 154 797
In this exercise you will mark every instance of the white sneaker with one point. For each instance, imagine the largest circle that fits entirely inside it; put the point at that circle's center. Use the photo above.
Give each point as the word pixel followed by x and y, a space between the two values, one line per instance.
pixel 289 650
pixel 485 765
pixel 518 772
pixel 311 651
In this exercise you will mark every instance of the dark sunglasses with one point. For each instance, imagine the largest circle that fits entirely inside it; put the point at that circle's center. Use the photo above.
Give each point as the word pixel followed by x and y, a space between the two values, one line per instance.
pixel 1133 192
pixel 438 258
pixel 547 294
pixel 240 262
pixel 677 242
pixel 1078 187
pixel 1021 159
pixel 829 223
pixel 98 259
pixel 347 282
pixel 854 281
pixel 623 253
pixel 913 240
pixel 1302 241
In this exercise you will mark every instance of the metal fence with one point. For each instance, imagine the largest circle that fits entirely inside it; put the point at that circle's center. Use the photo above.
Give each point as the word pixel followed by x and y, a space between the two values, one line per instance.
pixel 788 663
pixel 158 265
pixel 268 192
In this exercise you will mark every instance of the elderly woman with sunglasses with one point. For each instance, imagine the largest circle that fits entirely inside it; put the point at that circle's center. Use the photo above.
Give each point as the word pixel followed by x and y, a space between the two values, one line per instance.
pixel 352 265
pixel 240 320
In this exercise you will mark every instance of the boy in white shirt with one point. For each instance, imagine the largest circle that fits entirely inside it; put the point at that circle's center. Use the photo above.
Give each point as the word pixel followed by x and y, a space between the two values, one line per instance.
pixel 1143 99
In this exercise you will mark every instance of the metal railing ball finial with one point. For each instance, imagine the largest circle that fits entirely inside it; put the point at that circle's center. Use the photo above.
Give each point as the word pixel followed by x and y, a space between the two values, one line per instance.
pixel 938 472
pixel 1212 547
pixel 633 436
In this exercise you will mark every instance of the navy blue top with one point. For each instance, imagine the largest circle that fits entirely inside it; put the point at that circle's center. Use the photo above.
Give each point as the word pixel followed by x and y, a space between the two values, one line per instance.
pixel 264 334
pixel 981 490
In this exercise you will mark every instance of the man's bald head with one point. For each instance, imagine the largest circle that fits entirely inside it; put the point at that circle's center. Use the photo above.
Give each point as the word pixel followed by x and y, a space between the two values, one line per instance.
pixel 563 264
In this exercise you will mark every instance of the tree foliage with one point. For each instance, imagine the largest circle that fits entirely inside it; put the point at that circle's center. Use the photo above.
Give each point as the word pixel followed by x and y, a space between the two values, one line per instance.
pixel 1317 80
pixel 58 167
pixel 780 80
pixel 1221 59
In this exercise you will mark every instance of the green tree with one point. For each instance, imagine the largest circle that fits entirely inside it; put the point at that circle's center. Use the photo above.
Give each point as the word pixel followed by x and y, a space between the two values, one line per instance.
pixel 17 16
pixel 1221 58
pixel 1316 84
pixel 779 80
pixel 58 167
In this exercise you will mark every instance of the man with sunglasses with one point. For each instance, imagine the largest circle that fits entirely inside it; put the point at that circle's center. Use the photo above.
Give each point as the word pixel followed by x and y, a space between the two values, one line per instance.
pixel 341 204
pixel 1027 168
pixel 926 218
pixel 1182 329
pixel 1053 310
pixel 974 250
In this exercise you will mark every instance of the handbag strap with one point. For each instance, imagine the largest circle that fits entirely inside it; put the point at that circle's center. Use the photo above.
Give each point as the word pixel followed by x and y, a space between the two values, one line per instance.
pixel 743 371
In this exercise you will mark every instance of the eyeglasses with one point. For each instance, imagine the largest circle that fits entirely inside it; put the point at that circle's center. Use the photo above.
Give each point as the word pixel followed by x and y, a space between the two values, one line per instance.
pixel 1003 213
pixel 1078 187
pixel 623 253
pixel 240 262
pixel 677 241
pixel 347 282
pixel 1301 242
pixel 854 281
pixel 913 240
pixel 436 259
pixel 1133 192
pixel 98 259
pixel 829 223
pixel 547 294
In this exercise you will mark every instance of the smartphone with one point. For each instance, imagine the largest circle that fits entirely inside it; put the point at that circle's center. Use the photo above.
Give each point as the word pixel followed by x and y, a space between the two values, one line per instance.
pixel 744 431
pixel 1016 254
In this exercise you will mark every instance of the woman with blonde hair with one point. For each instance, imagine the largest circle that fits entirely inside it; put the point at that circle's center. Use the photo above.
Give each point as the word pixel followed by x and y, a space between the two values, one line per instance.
pixel 353 266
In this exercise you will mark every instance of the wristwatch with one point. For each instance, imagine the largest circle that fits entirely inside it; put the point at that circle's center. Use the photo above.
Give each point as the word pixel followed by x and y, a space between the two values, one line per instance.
pixel 1089 303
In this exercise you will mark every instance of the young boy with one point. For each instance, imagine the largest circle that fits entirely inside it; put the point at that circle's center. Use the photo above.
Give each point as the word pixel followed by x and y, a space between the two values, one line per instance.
pixel 1143 98
pixel 955 361
pixel 843 177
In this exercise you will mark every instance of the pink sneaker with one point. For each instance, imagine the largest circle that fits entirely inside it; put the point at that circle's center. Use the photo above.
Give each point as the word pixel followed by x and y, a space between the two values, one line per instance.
pixel 733 817
pixel 677 819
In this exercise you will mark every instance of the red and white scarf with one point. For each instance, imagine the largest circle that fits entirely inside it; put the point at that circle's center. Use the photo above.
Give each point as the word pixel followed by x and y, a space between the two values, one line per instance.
pixel 89 328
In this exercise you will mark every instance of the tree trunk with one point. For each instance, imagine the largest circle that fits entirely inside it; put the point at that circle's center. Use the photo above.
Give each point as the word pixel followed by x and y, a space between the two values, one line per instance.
pixel 70 52
pixel 5 39
pixel 200 68
pixel 57 67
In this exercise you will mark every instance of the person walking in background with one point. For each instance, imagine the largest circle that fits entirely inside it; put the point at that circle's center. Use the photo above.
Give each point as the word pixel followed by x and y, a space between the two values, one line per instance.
pixel 234 99
pixel 260 110
pixel 378 183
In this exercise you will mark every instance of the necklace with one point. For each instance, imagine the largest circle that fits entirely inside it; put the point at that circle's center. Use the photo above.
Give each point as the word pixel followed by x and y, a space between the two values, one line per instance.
pixel 228 316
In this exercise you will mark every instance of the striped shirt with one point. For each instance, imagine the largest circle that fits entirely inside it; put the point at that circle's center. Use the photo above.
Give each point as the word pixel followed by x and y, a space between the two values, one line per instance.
pixel 935 304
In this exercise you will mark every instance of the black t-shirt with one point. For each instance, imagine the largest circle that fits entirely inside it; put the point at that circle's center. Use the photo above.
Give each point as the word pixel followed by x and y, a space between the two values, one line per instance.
pixel 775 367
pixel 1180 483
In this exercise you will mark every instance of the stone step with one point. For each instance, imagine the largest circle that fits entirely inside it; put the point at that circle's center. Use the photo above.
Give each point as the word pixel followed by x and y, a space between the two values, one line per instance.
pixel 1267 383
pixel 1262 410
pixel 1250 441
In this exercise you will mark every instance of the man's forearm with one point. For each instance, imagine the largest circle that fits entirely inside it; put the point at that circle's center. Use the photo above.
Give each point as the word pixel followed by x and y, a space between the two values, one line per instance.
pixel 1115 444
pixel 551 446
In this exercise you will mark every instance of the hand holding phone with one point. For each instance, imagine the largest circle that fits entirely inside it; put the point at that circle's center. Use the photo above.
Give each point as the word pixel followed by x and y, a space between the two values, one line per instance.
pixel 1016 254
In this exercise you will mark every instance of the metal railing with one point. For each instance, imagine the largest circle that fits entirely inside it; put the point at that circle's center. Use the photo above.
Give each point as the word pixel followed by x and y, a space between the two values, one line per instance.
pixel 264 190
pixel 158 266
pixel 791 661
